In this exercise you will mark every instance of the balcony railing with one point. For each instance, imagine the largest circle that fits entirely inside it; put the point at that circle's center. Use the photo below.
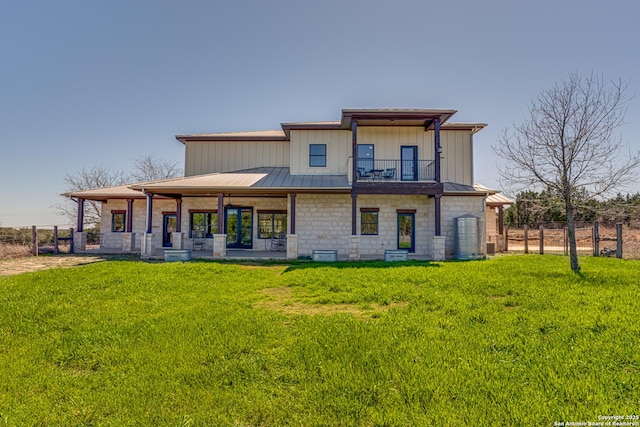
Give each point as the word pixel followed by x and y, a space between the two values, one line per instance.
pixel 395 170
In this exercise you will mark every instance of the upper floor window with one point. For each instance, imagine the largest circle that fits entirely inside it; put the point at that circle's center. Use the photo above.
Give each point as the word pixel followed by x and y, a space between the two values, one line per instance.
pixel 317 155
pixel 203 224
pixel 365 157
pixel 118 219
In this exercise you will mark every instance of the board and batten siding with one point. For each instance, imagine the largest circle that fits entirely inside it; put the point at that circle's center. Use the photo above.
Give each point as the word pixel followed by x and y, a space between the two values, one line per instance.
pixel 457 150
pixel 202 157
pixel 338 151
pixel 457 156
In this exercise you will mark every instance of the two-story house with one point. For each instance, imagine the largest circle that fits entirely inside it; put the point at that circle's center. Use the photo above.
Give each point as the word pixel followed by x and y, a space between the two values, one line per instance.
pixel 377 179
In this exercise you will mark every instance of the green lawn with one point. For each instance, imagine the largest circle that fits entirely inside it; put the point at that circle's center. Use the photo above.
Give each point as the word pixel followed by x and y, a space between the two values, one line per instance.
pixel 516 340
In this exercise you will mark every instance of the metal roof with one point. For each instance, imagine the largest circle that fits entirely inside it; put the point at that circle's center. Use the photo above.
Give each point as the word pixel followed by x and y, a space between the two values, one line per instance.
pixel 258 180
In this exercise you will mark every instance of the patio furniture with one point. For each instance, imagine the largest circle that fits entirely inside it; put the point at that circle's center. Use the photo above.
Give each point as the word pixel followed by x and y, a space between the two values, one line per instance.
pixel 279 244
pixel 363 173
pixel 389 173
pixel 199 244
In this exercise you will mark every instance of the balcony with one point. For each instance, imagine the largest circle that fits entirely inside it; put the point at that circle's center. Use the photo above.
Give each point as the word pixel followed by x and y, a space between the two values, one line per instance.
pixel 395 170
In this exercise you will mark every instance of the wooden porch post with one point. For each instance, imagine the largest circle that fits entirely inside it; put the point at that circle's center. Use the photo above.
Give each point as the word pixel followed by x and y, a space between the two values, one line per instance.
pixel 220 213
pixel 80 222
pixel 129 215
pixel 437 149
pixel 438 214
pixel 149 227
pixel 292 213
pixel 178 215
pixel 354 213
pixel 501 220
pixel 354 149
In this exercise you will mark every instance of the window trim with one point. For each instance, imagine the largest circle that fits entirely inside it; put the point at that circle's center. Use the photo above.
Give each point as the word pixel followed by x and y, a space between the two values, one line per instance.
pixel 318 156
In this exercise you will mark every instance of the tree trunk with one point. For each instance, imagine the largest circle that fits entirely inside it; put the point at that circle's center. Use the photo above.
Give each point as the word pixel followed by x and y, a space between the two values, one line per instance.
pixel 571 231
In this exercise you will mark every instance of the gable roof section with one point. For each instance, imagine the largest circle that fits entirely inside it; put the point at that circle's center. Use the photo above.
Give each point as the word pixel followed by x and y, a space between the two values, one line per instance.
pixel 365 117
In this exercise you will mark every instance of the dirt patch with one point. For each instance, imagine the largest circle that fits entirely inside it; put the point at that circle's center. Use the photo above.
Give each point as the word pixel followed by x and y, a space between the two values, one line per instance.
pixel 24 265
pixel 283 301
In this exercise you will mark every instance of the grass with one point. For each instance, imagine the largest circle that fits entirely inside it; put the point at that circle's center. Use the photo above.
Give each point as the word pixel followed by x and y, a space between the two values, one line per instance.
pixel 510 341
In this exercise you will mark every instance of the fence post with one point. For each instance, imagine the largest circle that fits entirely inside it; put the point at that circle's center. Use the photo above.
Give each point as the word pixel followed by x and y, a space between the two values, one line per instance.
pixel 71 248
pixel 506 239
pixel 596 239
pixel 566 242
pixel 526 239
pixel 34 233
pixel 55 239
pixel 619 240
pixel 541 240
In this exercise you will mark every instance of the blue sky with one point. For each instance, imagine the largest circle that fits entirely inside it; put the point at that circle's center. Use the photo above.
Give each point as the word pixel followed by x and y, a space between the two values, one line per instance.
pixel 86 83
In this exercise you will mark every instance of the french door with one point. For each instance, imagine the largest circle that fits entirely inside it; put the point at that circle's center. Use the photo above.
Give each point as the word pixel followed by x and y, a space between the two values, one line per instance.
pixel 409 163
pixel 169 223
pixel 407 231
pixel 239 224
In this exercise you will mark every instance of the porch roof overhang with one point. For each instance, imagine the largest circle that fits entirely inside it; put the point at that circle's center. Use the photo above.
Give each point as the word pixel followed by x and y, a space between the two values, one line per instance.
pixel 495 198
pixel 102 194
pixel 456 189
pixel 394 117
pixel 258 181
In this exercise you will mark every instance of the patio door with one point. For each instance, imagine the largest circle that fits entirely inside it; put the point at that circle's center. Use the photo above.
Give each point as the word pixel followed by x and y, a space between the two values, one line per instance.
pixel 407 231
pixel 409 162
pixel 239 223
pixel 169 223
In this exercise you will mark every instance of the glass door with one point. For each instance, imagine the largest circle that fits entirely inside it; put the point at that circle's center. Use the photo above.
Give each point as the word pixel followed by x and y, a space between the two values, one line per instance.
pixel 239 223
pixel 409 162
pixel 406 231
pixel 168 226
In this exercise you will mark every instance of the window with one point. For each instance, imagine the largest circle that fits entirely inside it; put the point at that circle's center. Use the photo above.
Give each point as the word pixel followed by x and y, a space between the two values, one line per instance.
pixel 203 224
pixel 118 219
pixel 271 224
pixel 365 157
pixel 317 155
pixel 369 221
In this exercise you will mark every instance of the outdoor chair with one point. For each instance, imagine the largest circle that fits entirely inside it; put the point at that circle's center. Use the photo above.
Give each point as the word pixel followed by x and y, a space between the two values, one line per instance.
pixel 279 244
pixel 199 244
pixel 363 173
pixel 389 173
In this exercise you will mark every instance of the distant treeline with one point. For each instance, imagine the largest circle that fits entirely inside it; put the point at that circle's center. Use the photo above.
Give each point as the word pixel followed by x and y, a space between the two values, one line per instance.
pixel 535 209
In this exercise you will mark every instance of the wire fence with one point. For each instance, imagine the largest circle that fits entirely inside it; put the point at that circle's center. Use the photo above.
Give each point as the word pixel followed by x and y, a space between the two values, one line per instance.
pixel 23 241
pixel 591 240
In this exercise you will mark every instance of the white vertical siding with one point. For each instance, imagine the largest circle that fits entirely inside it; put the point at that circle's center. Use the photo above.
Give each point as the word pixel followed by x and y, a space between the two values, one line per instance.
pixel 457 157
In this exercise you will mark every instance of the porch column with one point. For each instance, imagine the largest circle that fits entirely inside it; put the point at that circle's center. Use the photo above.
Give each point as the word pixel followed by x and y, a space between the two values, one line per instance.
pixel 146 246
pixel 129 215
pixel 292 213
pixel 80 219
pixel 149 223
pixel 438 214
pixel 354 213
pixel 437 148
pixel 501 220
pixel 354 149
pixel 178 215
pixel 220 213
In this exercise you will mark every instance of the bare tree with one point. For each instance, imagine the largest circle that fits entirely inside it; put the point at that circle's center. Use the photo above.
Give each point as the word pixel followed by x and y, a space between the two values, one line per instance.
pixel 148 168
pixel 88 179
pixel 568 144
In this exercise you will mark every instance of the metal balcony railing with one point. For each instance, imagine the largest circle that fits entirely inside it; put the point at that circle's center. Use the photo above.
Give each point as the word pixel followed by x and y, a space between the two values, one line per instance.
pixel 395 170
